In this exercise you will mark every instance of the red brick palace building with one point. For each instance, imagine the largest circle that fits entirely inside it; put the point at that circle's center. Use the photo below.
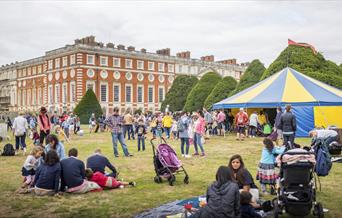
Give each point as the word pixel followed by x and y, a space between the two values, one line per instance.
pixel 119 76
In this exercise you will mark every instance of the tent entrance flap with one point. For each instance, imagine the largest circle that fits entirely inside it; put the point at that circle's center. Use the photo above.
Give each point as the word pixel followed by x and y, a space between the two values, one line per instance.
pixel 305 120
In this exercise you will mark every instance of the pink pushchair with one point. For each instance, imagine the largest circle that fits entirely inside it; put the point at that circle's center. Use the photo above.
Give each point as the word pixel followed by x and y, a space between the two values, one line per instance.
pixel 166 163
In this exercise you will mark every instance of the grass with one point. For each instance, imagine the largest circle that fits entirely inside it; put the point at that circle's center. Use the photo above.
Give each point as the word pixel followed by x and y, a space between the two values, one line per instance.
pixel 131 201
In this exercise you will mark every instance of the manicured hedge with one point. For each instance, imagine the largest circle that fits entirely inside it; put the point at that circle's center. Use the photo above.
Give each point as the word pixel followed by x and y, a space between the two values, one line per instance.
pixel 88 105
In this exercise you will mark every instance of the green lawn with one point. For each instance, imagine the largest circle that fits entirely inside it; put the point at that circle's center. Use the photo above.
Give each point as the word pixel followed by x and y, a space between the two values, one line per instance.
pixel 147 194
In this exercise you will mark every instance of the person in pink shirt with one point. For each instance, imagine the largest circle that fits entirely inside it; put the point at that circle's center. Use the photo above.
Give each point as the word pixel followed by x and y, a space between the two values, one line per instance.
pixel 241 121
pixel 199 132
pixel 221 117
pixel 44 124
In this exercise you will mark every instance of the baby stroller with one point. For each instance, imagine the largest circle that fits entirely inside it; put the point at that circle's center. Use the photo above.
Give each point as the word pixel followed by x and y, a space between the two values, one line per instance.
pixel 296 193
pixel 166 163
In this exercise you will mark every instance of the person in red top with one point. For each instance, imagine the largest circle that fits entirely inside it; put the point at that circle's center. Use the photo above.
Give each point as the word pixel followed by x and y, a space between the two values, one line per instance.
pixel 44 124
pixel 106 181
pixel 241 120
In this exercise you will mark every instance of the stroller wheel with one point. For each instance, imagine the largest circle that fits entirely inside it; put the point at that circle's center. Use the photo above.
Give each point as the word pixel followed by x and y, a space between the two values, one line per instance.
pixel 318 210
pixel 276 209
pixel 157 179
pixel 186 180
pixel 172 180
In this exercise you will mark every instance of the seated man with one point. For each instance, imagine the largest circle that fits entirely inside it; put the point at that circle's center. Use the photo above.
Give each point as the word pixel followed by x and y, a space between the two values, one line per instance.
pixel 324 134
pixel 73 175
pixel 98 162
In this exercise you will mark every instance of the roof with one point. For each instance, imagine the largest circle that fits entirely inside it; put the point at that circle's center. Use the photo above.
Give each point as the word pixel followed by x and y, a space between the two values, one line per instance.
pixel 288 86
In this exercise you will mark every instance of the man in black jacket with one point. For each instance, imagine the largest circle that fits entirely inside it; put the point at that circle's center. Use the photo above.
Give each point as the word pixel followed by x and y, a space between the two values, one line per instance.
pixel 98 162
pixel 288 125
pixel 73 175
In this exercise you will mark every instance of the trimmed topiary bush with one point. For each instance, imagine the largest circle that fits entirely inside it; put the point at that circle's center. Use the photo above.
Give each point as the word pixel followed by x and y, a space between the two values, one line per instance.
pixel 176 97
pixel 200 92
pixel 88 105
pixel 221 91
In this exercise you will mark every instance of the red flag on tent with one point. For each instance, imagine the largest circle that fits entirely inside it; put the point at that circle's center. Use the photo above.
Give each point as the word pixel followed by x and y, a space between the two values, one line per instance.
pixel 291 42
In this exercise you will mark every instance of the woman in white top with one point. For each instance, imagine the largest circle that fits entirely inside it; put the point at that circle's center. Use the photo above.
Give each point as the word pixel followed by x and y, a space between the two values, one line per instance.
pixel 253 124
pixel 20 126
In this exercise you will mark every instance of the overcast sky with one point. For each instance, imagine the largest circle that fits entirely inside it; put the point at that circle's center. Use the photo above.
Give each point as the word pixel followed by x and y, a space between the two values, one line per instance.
pixel 244 30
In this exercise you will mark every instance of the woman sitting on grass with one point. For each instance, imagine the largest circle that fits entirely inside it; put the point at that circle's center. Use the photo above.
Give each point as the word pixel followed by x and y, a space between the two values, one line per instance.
pixel 54 144
pixel 223 197
pixel 48 174
pixel 243 177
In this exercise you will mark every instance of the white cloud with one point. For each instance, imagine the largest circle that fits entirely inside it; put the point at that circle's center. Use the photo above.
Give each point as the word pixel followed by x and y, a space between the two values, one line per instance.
pixel 242 30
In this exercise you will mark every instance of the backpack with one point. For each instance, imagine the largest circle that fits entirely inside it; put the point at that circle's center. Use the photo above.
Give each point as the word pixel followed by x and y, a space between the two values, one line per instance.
pixel 323 160
pixel 181 125
pixel 8 150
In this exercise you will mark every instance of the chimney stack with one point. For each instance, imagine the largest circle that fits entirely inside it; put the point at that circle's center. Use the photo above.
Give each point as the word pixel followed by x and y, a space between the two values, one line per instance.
pixel 121 47
pixel 209 58
pixel 131 48
pixel 228 61
pixel 165 51
pixel 185 54
pixel 143 50
pixel 110 45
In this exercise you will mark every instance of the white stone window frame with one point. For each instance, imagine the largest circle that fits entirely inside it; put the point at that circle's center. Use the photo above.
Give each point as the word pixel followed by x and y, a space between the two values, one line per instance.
pixel 72 91
pixel 64 61
pixel 104 74
pixel 40 95
pixel 142 94
pixel 57 63
pixel 34 70
pixel 57 93
pixel 90 73
pixel 161 67
pixel 128 63
pixel 163 97
pixel 50 64
pixel 50 94
pixel 128 76
pixel 118 62
pixel 171 68
pixel 151 65
pixel 39 70
pixel 131 95
pixel 161 78
pixel 104 84
pixel 93 59
pixel 151 77
pixel 119 95
pixel 140 77
pixel 24 72
pixel 91 82
pixel 73 59
pixel 140 65
pixel 64 93
pixel 116 75
pixel 148 94
pixel 104 61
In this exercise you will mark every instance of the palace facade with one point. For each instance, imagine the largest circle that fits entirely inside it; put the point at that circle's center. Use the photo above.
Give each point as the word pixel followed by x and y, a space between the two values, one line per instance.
pixel 119 76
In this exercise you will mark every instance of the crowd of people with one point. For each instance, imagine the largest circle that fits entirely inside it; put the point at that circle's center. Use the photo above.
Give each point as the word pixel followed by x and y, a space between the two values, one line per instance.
pixel 47 170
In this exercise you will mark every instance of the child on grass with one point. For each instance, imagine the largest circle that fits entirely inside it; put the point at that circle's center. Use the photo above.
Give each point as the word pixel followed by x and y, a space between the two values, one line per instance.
pixel 247 210
pixel 141 132
pixel 106 181
pixel 61 135
pixel 266 172
pixel 30 166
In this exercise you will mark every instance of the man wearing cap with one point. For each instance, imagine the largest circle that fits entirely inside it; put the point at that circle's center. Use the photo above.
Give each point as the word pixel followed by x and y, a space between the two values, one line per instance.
pixel 44 124
pixel 288 125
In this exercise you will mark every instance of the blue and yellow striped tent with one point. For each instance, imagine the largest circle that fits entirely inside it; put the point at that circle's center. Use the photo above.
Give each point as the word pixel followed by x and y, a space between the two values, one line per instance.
pixel 314 103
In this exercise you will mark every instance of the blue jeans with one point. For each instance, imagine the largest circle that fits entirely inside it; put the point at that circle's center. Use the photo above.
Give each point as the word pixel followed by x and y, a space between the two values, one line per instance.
pixel 120 137
pixel 197 141
pixel 141 139
pixel 167 131
pixel 129 129
pixel 20 140
pixel 185 141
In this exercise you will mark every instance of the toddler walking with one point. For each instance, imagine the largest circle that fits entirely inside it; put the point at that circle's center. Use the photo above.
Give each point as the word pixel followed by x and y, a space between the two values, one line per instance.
pixel 141 131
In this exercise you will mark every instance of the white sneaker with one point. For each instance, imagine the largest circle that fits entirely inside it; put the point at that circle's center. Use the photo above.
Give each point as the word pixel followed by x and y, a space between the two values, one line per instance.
pixel 187 156
pixel 24 151
pixel 183 155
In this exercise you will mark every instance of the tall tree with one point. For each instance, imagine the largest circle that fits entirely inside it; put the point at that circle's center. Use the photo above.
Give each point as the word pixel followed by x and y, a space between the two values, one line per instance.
pixel 88 105
pixel 176 97
pixel 221 91
pixel 200 91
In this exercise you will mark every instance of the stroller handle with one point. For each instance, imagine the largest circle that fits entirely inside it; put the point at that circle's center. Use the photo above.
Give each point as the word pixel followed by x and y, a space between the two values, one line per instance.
pixel 162 139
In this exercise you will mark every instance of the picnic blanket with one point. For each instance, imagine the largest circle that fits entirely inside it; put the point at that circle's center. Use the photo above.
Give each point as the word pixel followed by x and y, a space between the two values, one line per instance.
pixel 168 209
